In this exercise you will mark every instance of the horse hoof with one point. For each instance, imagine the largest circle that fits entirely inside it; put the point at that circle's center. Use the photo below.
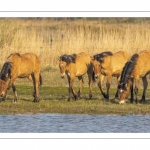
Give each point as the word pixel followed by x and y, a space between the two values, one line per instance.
pixel 106 96
pixel 76 97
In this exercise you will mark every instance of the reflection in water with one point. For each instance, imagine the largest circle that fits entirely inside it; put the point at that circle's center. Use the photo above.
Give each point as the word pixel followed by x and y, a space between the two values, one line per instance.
pixel 62 123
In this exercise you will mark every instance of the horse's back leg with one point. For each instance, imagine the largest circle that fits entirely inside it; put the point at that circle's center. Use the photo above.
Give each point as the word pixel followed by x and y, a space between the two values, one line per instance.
pixel 35 78
pixel 15 92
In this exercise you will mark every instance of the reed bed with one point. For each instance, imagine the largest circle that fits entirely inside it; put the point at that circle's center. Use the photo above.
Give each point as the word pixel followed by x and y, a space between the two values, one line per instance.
pixel 52 37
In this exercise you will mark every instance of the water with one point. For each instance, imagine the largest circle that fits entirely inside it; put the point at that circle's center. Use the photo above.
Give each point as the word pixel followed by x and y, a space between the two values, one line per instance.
pixel 64 123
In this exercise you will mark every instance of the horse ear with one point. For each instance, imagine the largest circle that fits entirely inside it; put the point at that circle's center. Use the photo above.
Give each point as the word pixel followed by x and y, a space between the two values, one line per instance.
pixel 6 75
pixel 58 58
pixel 101 60
pixel 92 57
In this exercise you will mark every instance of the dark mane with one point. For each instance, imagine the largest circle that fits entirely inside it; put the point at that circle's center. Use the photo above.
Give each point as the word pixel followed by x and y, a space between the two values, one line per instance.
pixel 68 58
pixel 6 70
pixel 102 55
pixel 127 70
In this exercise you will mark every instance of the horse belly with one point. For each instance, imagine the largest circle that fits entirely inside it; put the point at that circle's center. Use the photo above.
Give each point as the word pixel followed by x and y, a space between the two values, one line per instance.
pixel 80 72
pixel 24 72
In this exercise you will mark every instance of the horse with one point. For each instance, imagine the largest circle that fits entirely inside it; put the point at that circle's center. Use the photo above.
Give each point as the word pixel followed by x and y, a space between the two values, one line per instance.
pixel 20 66
pixel 137 67
pixel 110 65
pixel 76 65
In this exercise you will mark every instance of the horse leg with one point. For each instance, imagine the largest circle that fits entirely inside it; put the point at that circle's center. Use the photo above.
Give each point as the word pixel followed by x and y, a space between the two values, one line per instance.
pixel 136 90
pixel 70 89
pixel 131 91
pixel 80 86
pixel 101 77
pixel 145 84
pixel 15 92
pixel 90 85
pixel 31 79
pixel 108 86
pixel 35 78
pixel 117 92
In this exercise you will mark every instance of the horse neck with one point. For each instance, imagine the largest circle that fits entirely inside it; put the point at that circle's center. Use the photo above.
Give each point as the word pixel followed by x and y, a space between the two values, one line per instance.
pixel 70 66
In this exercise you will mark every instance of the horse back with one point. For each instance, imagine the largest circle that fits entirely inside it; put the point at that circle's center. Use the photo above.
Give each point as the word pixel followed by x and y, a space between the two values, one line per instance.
pixel 24 64
pixel 143 63
pixel 83 63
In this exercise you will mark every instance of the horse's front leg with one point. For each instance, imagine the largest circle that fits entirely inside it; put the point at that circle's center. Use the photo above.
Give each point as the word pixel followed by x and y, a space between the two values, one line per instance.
pixel 117 92
pixel 136 90
pixel 145 84
pixel 108 85
pixel 80 86
pixel 70 89
pixel 90 84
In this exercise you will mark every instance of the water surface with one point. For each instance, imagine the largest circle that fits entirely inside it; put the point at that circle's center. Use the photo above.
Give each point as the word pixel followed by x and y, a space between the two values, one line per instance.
pixel 68 123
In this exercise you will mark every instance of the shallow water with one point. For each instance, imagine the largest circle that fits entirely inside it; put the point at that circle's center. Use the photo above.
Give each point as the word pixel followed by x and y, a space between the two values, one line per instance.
pixel 68 123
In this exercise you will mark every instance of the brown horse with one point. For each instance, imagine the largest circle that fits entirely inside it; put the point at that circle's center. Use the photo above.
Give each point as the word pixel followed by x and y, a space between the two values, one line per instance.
pixel 137 67
pixel 76 65
pixel 20 66
pixel 109 64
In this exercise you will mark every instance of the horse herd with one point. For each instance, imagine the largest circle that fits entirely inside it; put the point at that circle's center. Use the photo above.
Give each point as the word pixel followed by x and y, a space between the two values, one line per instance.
pixel 127 69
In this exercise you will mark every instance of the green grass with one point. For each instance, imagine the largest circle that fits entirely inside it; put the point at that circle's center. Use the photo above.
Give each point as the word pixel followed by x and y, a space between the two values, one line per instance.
pixel 53 100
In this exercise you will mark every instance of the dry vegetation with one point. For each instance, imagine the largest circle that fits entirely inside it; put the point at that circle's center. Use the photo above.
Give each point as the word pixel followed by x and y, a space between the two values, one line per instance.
pixel 51 37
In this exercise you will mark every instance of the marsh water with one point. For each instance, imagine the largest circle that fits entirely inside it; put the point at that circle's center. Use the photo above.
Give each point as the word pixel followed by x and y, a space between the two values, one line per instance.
pixel 69 123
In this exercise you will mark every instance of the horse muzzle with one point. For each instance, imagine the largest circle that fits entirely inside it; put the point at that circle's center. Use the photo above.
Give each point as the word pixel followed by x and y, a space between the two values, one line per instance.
pixel 96 76
pixel 2 94
pixel 122 102
pixel 62 76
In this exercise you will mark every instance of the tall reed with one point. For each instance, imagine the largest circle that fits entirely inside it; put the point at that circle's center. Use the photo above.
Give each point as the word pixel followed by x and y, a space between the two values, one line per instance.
pixel 52 37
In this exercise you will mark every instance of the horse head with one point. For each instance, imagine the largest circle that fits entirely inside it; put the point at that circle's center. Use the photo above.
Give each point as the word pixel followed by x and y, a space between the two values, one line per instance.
pixel 65 60
pixel 96 66
pixel 123 92
pixel 3 87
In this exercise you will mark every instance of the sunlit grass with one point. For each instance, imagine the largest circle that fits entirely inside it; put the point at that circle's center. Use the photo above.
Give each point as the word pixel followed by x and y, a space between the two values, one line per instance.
pixel 54 100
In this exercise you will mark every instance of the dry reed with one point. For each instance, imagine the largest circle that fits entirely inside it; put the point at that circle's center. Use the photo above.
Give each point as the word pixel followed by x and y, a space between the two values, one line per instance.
pixel 52 37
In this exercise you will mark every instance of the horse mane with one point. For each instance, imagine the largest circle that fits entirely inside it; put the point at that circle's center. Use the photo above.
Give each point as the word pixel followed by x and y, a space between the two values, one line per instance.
pixel 127 70
pixel 98 57
pixel 6 71
pixel 13 54
pixel 68 58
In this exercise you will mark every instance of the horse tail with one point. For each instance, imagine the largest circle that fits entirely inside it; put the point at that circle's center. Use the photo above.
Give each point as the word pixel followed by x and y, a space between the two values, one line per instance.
pixel 40 79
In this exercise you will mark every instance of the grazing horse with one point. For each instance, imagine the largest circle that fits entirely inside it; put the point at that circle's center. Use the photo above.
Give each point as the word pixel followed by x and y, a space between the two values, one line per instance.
pixel 76 65
pixel 137 67
pixel 109 64
pixel 20 66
